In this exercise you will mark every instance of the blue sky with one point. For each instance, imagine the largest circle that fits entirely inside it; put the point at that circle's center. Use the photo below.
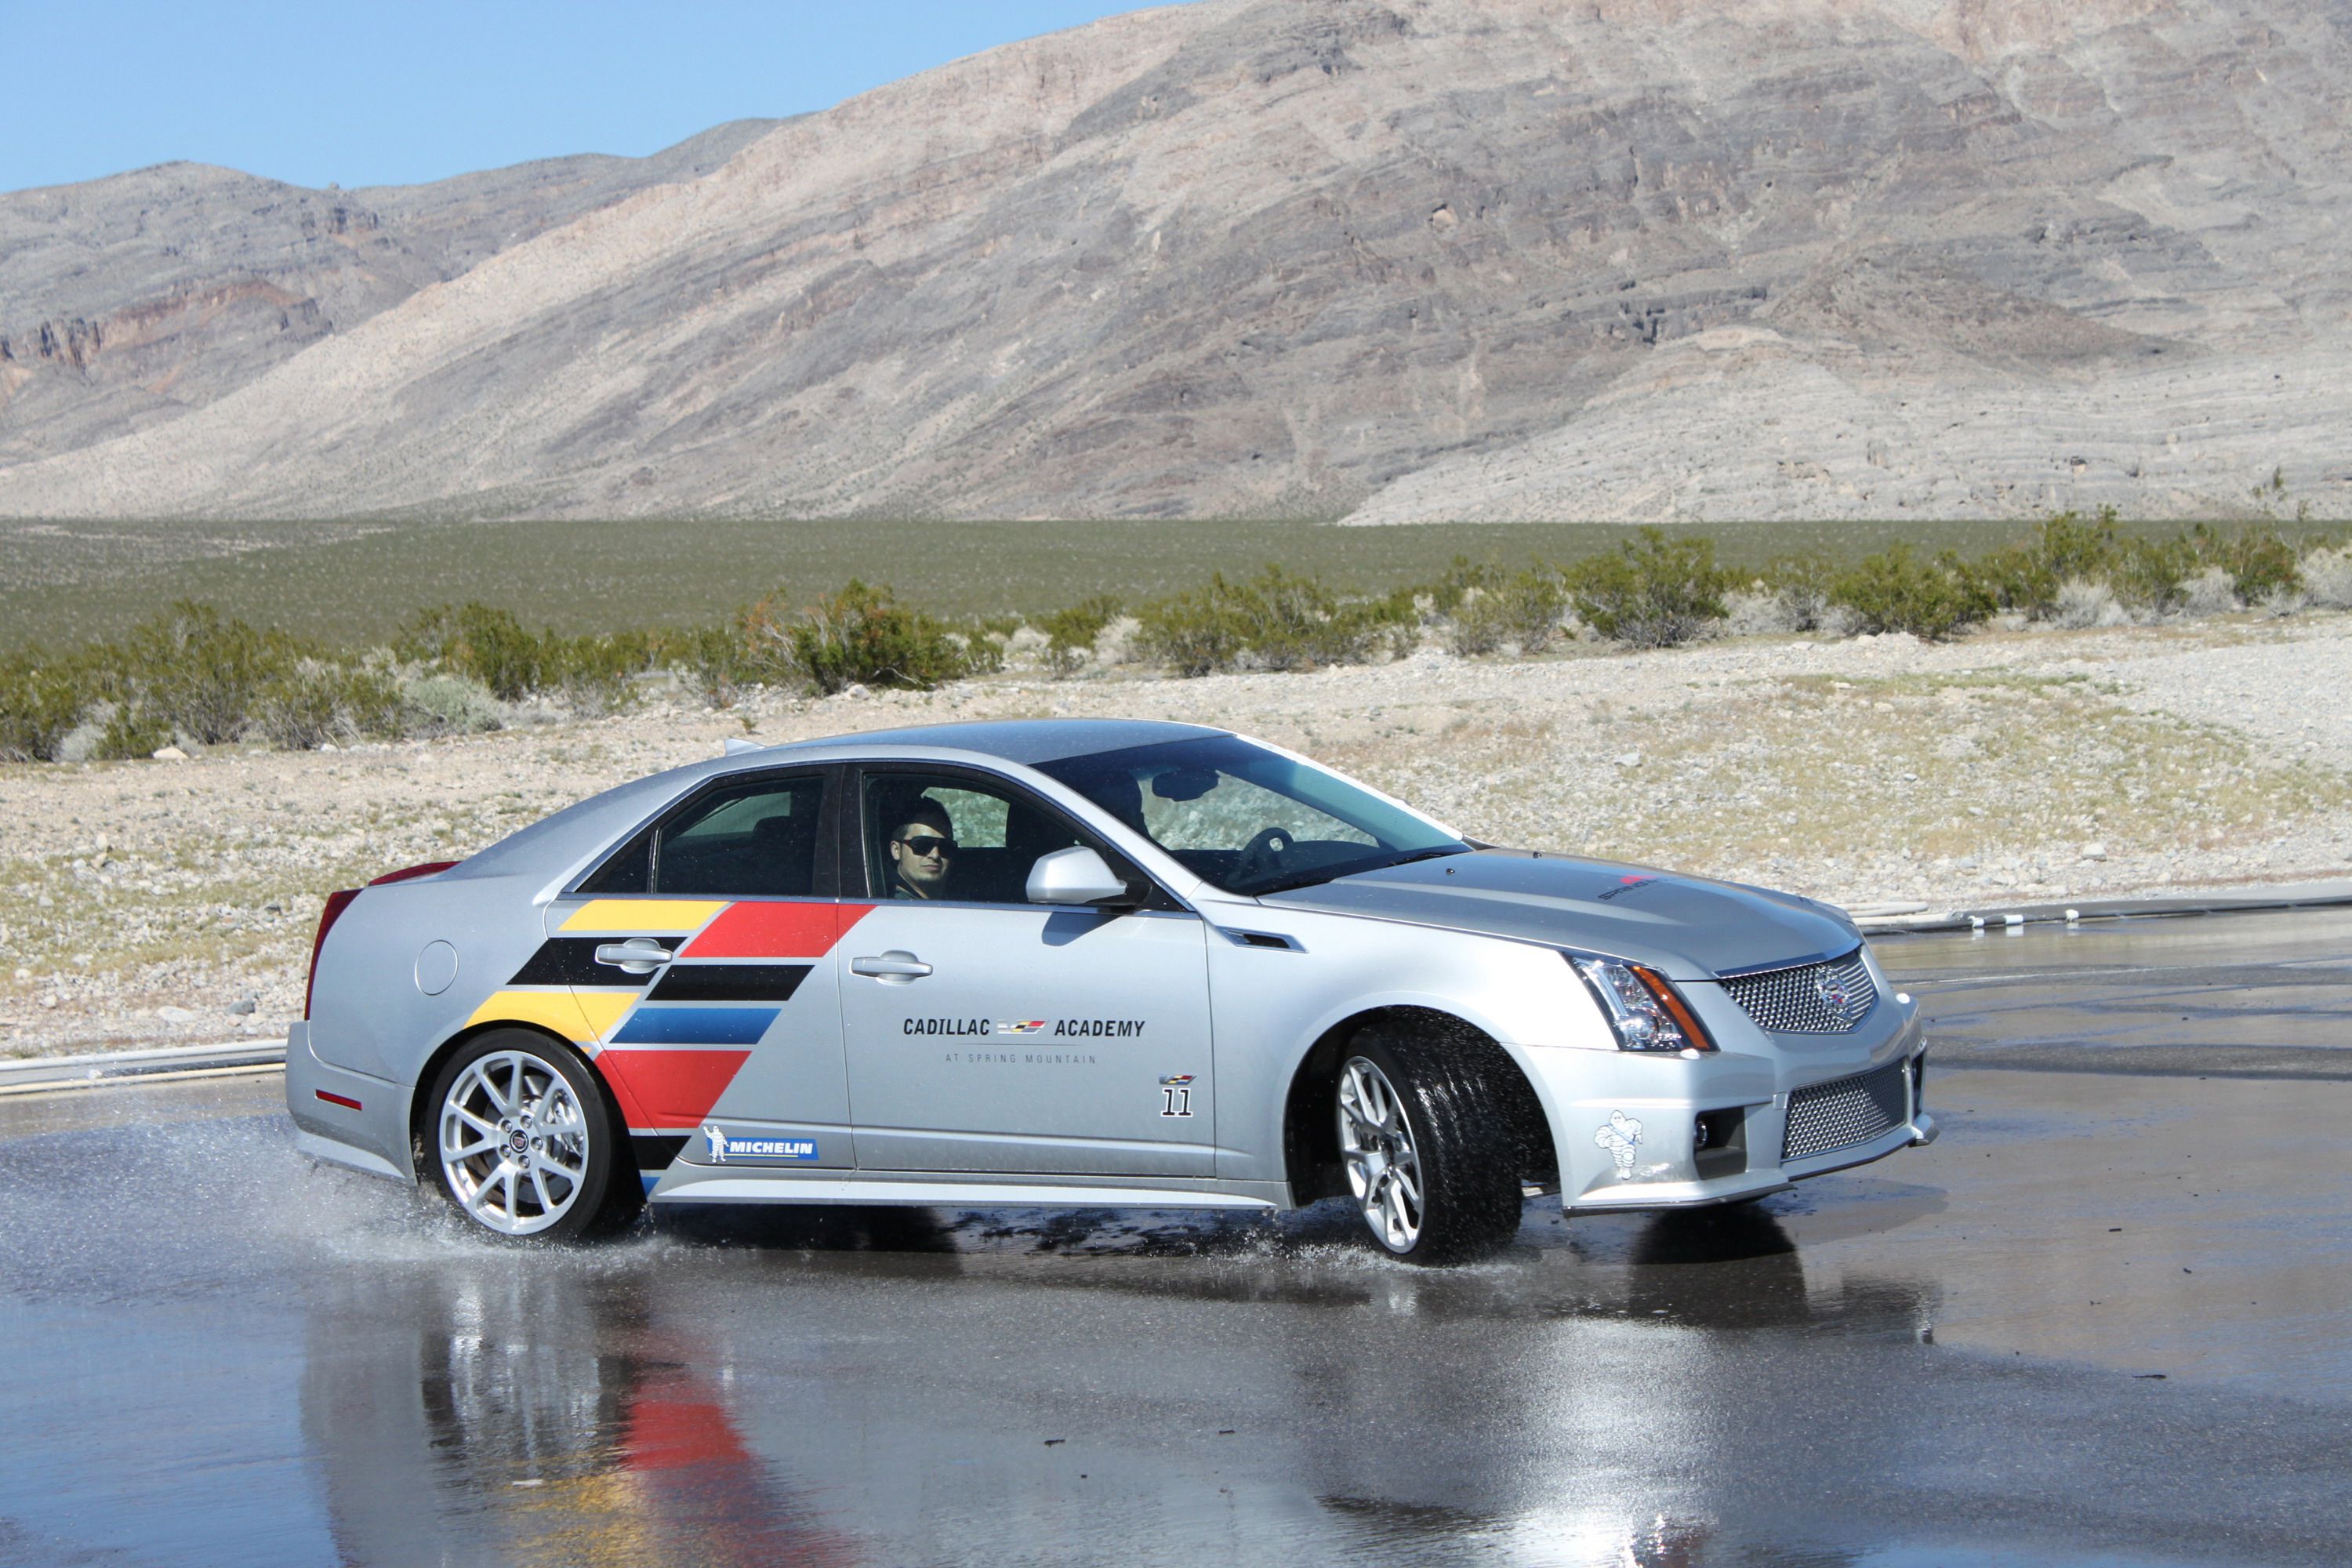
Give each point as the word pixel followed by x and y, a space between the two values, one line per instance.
pixel 362 92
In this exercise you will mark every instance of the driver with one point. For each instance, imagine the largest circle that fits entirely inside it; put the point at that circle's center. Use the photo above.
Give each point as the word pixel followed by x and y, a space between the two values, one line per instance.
pixel 922 847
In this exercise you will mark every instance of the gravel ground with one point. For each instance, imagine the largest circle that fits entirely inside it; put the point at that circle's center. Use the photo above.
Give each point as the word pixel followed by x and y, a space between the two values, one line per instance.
pixel 173 903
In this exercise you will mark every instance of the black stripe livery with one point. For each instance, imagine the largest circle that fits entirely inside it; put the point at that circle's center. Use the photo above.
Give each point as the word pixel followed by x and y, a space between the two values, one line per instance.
pixel 729 983
pixel 571 961
pixel 655 1150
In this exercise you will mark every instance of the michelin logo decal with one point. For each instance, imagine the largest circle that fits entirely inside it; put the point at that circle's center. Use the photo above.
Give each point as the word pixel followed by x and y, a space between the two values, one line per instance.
pixel 1622 1136
pixel 724 1148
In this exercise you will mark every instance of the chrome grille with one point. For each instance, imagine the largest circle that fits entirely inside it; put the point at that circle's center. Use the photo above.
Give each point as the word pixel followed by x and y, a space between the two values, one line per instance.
pixel 1846 1111
pixel 1798 1001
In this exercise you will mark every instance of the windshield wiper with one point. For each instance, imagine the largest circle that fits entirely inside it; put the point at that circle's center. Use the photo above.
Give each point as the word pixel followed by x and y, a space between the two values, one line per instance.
pixel 1347 868
pixel 1423 854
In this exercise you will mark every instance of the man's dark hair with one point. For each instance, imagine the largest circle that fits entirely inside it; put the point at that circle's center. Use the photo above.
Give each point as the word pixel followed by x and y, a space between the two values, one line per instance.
pixel 920 808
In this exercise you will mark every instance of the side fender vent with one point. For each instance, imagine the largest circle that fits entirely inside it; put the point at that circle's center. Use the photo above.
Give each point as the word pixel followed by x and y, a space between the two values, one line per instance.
pixel 1262 939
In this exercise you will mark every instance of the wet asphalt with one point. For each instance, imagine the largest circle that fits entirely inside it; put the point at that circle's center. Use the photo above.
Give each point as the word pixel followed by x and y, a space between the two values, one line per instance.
pixel 2103 1321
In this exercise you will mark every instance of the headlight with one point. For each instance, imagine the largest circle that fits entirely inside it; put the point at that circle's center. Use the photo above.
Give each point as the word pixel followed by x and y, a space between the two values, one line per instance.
pixel 1641 1005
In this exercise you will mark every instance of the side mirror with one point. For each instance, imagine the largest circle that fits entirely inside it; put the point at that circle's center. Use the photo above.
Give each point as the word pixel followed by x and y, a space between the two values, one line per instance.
pixel 1076 876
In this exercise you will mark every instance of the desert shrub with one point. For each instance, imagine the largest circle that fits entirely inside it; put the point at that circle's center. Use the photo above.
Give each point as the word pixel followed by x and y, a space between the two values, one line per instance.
pixel 1287 621
pixel 715 660
pixel 1193 633
pixel 1521 608
pixel 984 639
pixel 1756 610
pixel 609 658
pixel 1801 582
pixel 41 701
pixel 2261 564
pixel 1791 595
pixel 1458 583
pixel 130 732
pixel 2152 573
pixel 2208 591
pixel 596 674
pixel 474 639
pixel 2065 548
pixel 1071 633
pixel 591 673
pixel 763 650
pixel 1476 624
pixel 860 636
pixel 1274 621
pixel 1896 591
pixel 2327 577
pixel 1655 593
pixel 314 701
pixel 1390 625
pixel 2082 604
pixel 439 704
pixel 191 672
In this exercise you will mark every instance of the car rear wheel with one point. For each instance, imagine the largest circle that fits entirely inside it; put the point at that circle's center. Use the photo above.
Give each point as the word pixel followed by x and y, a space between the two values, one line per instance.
pixel 522 1141
pixel 1427 1149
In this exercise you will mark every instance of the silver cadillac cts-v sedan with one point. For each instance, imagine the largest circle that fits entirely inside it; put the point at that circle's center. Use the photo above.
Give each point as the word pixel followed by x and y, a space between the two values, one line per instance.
pixel 1081 963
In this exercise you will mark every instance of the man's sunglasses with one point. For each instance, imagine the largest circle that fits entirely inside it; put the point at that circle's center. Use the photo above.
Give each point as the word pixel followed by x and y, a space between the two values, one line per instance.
pixel 929 844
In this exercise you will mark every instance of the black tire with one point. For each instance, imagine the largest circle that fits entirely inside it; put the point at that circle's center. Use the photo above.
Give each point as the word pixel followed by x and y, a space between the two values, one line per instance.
pixel 1461 1135
pixel 566 1144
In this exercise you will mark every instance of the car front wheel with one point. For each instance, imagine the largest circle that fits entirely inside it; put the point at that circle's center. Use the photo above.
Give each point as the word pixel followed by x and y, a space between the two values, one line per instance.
pixel 520 1139
pixel 1427 1149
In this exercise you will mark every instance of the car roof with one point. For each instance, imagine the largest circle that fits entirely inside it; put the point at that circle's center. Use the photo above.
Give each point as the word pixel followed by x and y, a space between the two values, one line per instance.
pixel 1024 740
pixel 586 827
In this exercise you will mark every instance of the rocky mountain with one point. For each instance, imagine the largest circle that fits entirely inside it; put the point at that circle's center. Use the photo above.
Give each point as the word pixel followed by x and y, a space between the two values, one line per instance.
pixel 1400 262
pixel 124 302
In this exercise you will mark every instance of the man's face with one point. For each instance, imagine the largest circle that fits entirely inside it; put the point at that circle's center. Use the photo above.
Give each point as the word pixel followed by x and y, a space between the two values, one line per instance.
pixel 920 851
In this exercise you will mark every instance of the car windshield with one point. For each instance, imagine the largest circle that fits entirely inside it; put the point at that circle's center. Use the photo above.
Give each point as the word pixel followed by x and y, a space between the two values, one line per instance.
pixel 1250 820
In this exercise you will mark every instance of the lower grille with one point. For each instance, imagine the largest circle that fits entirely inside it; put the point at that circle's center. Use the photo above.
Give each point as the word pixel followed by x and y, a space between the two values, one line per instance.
pixel 1846 1111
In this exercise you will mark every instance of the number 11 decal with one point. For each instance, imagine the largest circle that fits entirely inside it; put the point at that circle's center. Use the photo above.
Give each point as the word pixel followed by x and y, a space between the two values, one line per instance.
pixel 1176 1095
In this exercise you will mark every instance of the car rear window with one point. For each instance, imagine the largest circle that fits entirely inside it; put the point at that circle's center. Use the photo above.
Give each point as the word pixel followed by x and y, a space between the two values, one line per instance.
pixel 756 839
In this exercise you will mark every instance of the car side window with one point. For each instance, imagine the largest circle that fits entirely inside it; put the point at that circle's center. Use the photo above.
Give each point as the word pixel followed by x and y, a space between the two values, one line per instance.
pixel 957 839
pixel 758 838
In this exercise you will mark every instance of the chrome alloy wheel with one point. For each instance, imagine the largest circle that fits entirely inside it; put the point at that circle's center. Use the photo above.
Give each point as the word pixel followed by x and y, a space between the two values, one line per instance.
pixel 1383 1165
pixel 514 1142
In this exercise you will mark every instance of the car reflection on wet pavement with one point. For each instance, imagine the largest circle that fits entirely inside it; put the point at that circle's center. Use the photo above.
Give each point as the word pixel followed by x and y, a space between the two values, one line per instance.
pixel 2102 1322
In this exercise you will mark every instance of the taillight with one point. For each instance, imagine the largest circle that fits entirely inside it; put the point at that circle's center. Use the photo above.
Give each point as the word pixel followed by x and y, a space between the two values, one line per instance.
pixel 336 902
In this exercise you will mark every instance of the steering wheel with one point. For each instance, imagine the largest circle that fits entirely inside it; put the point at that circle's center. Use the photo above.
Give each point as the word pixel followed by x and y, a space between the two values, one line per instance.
pixel 1264 853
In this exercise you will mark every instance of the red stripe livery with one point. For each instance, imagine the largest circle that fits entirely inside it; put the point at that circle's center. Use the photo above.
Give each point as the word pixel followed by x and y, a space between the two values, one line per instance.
pixel 672 1088
pixel 775 931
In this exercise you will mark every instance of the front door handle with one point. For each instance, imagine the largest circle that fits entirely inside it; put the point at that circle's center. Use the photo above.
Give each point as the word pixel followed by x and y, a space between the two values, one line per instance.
pixel 896 967
pixel 638 955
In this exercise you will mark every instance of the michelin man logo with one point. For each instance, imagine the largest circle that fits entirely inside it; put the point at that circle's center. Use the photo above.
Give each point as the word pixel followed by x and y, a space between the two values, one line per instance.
pixel 1622 1136
pixel 718 1142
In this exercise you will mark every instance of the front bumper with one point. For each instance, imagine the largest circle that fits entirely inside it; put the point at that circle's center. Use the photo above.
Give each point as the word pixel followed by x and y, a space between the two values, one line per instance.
pixel 1636 1131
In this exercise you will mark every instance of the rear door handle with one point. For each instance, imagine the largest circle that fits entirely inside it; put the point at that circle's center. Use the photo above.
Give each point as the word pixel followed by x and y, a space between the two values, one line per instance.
pixel 638 955
pixel 893 967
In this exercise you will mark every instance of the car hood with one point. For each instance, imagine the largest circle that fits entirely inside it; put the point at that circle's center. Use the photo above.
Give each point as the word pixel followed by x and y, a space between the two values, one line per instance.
pixel 1688 928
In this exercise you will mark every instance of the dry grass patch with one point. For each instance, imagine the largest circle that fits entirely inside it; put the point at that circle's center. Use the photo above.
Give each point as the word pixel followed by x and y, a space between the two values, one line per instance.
pixel 1862 778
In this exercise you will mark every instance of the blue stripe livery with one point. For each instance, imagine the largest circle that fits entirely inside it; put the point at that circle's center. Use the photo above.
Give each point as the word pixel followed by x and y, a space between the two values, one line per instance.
pixel 696 1026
